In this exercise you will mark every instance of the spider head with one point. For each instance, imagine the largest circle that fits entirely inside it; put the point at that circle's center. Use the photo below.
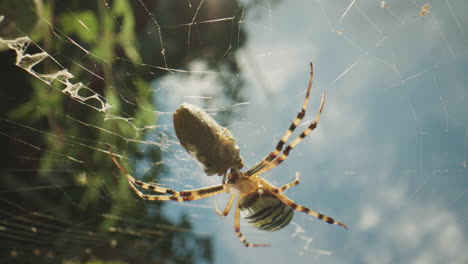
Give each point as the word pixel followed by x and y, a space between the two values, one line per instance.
pixel 233 176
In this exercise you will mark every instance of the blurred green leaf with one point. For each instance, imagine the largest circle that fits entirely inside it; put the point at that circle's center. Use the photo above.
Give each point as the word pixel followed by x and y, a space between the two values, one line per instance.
pixel 83 24
pixel 126 37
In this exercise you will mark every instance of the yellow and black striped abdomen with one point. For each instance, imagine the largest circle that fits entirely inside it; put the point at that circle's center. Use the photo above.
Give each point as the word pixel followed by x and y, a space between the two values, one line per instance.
pixel 265 211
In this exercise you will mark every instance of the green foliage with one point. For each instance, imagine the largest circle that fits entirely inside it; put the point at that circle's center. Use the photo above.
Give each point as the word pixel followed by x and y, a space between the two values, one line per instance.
pixel 62 142
pixel 83 24
pixel 26 17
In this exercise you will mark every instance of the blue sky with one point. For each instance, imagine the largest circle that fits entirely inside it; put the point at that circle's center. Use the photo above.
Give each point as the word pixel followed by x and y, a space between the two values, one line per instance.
pixel 389 155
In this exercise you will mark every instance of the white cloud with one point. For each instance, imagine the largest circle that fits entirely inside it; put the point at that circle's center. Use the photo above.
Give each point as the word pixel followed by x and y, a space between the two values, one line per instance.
pixel 369 218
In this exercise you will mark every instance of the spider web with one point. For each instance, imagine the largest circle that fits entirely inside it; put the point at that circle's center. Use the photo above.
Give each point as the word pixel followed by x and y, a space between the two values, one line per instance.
pixel 388 159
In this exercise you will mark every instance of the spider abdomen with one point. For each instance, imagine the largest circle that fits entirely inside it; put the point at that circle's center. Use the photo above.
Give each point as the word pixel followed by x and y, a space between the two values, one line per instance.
pixel 265 211
pixel 204 139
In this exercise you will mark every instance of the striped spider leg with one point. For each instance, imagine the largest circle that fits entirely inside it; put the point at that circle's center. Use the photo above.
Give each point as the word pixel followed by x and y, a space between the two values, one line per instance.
pixel 165 193
pixel 265 165
pixel 289 185
pixel 270 161
pixel 278 193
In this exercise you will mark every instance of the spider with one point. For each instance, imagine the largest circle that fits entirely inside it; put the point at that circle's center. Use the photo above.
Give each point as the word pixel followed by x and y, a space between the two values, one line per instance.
pixel 263 205
pixel 424 9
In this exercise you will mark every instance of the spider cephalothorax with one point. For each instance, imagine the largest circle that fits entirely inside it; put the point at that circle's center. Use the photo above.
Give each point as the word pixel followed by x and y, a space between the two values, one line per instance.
pixel 262 204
